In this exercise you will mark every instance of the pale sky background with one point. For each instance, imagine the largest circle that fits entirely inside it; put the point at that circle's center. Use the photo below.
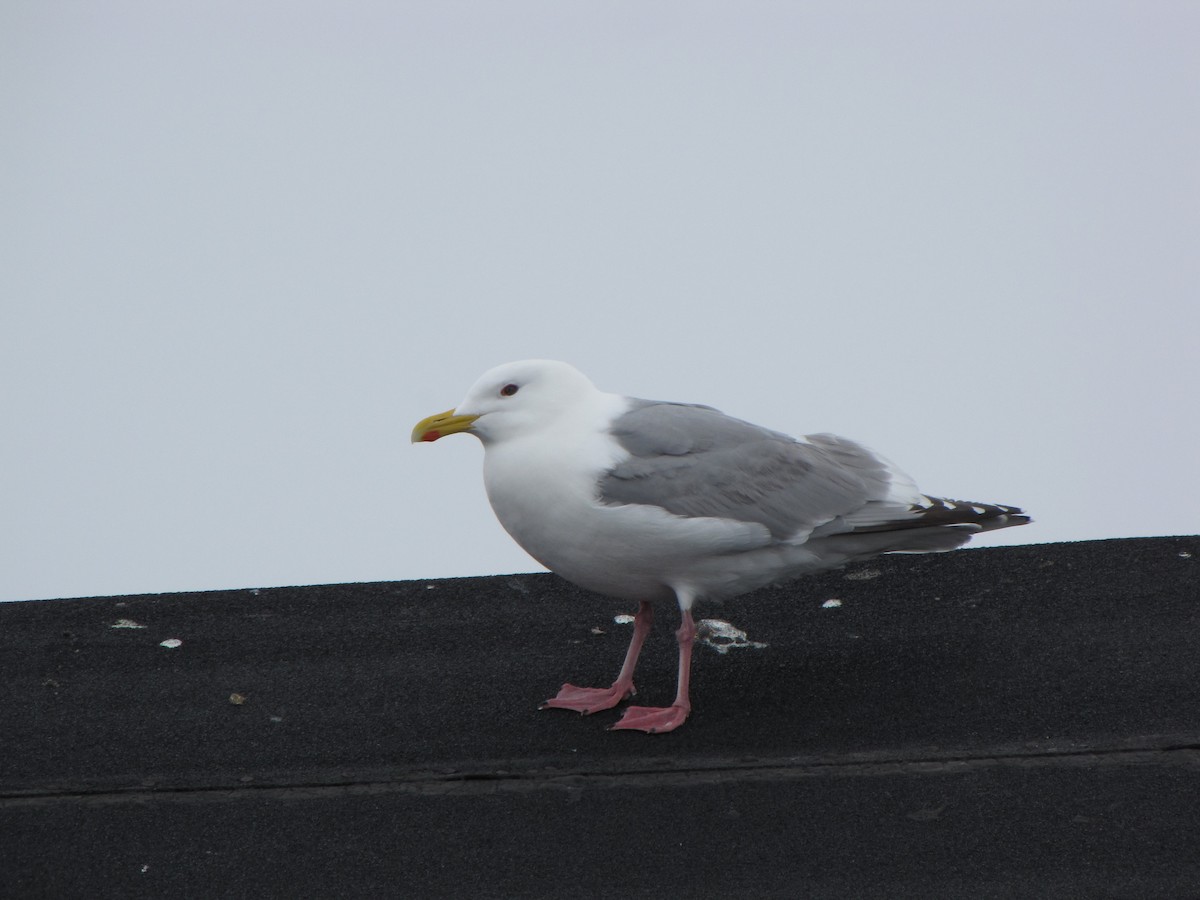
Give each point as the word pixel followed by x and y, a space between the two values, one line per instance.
pixel 246 245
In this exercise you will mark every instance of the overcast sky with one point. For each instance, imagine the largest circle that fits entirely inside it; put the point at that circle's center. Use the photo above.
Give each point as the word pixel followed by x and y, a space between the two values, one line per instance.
pixel 246 245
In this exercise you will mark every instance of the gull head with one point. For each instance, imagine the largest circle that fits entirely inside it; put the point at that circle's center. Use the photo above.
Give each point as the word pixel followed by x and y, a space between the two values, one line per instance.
pixel 513 399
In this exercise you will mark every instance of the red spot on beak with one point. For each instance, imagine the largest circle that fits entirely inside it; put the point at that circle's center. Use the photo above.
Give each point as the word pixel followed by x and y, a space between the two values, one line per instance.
pixel 431 435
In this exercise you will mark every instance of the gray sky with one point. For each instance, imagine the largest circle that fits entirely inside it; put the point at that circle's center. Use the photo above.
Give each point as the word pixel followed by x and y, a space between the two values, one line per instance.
pixel 246 245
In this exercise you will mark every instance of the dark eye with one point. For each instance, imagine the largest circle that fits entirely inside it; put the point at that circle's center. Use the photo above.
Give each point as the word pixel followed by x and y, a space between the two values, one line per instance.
pixel 508 390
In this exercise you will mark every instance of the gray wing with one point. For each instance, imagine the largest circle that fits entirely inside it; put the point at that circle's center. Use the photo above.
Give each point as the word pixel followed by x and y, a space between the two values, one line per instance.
pixel 696 461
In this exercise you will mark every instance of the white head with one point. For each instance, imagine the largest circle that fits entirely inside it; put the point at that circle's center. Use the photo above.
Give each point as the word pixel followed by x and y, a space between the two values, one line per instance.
pixel 514 398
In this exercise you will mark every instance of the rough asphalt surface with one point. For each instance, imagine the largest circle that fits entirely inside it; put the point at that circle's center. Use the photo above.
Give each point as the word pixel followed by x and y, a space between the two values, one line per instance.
pixel 1012 722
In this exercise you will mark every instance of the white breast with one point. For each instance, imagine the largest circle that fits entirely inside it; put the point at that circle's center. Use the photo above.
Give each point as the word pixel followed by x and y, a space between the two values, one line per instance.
pixel 542 487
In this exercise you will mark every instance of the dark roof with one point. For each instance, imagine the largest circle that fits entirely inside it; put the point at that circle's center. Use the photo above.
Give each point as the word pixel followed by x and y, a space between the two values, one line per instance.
pixel 1020 721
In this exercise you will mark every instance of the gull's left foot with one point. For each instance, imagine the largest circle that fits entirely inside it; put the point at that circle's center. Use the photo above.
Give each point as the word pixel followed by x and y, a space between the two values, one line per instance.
pixel 652 719
pixel 589 700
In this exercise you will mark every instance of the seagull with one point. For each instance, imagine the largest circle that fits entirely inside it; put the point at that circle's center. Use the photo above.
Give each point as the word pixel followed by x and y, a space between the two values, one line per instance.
pixel 653 501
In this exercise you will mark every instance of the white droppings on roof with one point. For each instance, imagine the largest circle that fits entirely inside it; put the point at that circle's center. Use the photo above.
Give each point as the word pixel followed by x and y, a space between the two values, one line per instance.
pixel 171 643
pixel 623 619
pixel 126 623
pixel 863 575
pixel 723 636
pixel 831 603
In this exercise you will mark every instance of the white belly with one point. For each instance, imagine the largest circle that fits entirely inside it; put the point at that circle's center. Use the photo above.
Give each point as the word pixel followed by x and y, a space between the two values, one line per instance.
pixel 546 499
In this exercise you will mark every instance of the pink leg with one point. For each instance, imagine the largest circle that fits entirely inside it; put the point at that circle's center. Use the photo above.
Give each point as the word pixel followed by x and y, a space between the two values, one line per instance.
pixel 659 719
pixel 590 700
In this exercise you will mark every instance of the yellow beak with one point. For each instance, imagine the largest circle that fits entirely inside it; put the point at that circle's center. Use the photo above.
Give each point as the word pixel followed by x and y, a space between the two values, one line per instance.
pixel 439 426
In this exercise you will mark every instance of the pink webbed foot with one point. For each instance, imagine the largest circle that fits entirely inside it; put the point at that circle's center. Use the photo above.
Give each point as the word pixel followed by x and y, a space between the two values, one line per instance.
pixel 652 719
pixel 589 700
